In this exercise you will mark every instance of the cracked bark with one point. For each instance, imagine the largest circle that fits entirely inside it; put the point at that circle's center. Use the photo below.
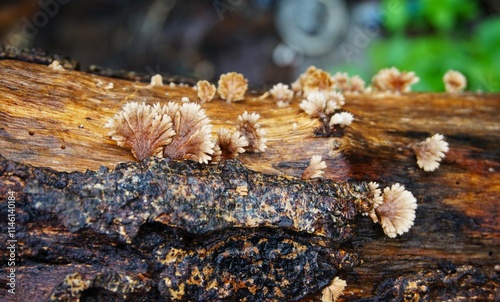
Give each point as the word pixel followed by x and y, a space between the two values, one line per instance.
pixel 54 119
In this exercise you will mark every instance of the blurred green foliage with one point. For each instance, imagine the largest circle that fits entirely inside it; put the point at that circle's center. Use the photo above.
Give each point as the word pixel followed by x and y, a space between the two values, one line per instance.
pixel 431 37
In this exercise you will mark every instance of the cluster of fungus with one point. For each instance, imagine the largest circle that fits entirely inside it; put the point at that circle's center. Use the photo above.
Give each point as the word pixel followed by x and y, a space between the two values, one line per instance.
pixel 317 79
pixel 348 85
pixel 231 87
pixel 394 210
pixel 387 80
pixel 184 132
pixel 324 98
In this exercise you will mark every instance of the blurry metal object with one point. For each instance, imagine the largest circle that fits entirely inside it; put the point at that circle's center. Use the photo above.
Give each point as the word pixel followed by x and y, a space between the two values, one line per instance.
pixel 312 27
pixel 283 55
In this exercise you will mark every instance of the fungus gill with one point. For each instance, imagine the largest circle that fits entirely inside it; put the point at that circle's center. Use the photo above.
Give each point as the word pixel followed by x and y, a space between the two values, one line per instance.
pixel 397 211
pixel 206 91
pixel 141 128
pixel 281 94
pixel 232 87
pixel 249 127
pixel 230 143
pixel 376 194
pixel 342 119
pixel 315 169
pixel 454 81
pixel 430 152
pixel 318 80
pixel 333 291
pixel 356 85
pixel 177 132
pixel 193 133
pixel 394 81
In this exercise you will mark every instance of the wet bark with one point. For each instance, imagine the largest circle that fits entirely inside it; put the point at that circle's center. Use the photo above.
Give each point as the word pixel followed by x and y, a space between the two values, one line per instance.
pixel 55 119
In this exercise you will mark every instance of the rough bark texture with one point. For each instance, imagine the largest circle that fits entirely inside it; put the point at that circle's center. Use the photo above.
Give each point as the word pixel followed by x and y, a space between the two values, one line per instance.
pixel 194 198
pixel 55 119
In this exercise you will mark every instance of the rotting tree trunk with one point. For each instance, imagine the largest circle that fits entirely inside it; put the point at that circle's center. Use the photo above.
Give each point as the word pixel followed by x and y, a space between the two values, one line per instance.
pixel 55 119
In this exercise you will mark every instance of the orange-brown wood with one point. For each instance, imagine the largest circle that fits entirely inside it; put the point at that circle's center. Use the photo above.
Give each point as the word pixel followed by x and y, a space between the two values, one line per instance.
pixel 55 119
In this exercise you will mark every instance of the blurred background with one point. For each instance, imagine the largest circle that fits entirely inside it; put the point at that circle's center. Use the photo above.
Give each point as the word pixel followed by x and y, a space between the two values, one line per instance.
pixel 269 41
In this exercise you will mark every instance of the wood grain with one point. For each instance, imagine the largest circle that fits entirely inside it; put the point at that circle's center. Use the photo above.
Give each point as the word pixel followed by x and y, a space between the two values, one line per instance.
pixel 55 119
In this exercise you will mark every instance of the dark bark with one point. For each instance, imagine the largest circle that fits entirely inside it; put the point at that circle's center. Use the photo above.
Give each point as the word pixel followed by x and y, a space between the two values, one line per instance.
pixel 54 119
pixel 231 252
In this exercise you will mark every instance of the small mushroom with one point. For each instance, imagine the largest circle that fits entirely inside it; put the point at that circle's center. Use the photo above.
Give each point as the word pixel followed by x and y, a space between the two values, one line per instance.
pixel 230 143
pixel 348 84
pixel 357 85
pixel 56 65
pixel 394 81
pixel 430 152
pixel 333 291
pixel 193 133
pixel 341 80
pixel 141 128
pixel 397 211
pixel 342 119
pixel 320 104
pixel 281 94
pixel 250 128
pixel 156 80
pixel 315 169
pixel 314 104
pixel 232 87
pixel 299 84
pixel 206 91
pixel 318 80
pixel 454 81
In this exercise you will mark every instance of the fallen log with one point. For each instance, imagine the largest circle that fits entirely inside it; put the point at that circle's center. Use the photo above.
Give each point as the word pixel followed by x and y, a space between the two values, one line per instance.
pixel 55 118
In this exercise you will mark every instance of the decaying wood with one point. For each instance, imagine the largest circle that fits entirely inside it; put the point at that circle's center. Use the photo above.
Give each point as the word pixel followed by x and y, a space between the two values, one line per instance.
pixel 55 119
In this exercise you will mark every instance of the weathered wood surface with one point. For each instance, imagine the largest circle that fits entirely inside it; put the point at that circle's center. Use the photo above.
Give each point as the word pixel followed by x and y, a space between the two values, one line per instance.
pixel 55 119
